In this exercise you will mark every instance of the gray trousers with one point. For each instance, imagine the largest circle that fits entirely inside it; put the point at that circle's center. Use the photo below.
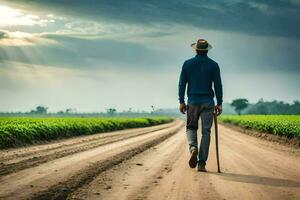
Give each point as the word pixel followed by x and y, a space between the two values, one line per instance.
pixel 194 112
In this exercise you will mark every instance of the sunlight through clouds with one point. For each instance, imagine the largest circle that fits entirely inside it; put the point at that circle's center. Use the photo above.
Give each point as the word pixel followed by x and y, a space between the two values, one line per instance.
pixel 13 17
pixel 50 47
pixel 10 21
pixel 19 38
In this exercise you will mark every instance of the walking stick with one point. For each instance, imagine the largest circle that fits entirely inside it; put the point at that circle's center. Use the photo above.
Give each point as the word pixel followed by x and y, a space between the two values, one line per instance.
pixel 217 141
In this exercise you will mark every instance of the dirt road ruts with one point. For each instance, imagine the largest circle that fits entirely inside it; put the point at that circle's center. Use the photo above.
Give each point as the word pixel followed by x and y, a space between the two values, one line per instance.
pixel 154 165
pixel 71 171
pixel 13 160
pixel 252 169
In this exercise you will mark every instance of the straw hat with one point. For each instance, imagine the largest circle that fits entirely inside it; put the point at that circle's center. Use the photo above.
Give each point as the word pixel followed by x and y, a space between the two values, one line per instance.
pixel 201 45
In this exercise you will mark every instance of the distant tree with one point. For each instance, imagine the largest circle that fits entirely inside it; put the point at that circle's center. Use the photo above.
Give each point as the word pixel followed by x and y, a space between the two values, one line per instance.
pixel 295 107
pixel 39 110
pixel 153 109
pixel 70 110
pixel 274 108
pixel 261 107
pixel 60 112
pixel 111 111
pixel 239 104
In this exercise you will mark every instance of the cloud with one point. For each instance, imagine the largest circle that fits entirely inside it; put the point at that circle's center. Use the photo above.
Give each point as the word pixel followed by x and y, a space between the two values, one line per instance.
pixel 13 17
pixel 279 18
pixel 18 38
pixel 90 29
pixel 260 6
pixel 85 29
pixel 157 51
pixel 138 46
pixel 79 52
pixel 3 34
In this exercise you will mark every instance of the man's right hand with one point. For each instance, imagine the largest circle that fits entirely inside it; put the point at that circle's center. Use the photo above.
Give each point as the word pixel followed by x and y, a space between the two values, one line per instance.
pixel 218 110
pixel 182 108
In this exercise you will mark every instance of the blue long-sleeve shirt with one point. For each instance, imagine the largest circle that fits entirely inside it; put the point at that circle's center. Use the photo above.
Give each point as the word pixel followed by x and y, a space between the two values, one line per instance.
pixel 199 73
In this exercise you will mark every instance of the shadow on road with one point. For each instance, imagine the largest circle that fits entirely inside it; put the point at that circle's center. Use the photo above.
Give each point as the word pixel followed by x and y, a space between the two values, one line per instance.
pixel 277 182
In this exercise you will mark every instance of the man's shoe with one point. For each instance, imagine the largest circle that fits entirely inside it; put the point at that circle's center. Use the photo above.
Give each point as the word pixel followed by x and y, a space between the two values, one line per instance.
pixel 201 168
pixel 193 159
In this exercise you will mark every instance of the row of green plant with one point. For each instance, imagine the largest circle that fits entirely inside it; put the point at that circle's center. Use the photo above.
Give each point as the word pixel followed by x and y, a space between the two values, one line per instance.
pixel 282 125
pixel 18 131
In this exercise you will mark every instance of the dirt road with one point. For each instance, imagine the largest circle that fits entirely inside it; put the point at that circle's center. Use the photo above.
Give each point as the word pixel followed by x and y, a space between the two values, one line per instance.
pixel 149 163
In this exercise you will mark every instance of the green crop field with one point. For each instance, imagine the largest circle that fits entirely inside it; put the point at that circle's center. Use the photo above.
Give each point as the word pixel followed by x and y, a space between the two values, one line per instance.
pixel 282 125
pixel 17 131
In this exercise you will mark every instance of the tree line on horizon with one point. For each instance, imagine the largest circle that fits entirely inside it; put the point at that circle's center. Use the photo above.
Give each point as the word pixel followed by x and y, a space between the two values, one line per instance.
pixel 237 106
pixel 242 106
pixel 110 112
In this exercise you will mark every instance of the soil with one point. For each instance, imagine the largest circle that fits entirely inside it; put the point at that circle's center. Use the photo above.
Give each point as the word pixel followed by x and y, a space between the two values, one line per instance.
pixel 150 163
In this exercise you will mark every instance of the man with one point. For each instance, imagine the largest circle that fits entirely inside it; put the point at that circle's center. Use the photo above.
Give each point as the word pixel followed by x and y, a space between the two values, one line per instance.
pixel 199 74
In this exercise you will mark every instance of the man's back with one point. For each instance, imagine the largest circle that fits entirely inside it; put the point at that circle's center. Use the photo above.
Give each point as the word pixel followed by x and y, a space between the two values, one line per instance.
pixel 199 73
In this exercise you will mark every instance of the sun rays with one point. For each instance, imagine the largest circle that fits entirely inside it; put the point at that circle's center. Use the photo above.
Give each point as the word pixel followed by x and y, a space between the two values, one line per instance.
pixel 11 17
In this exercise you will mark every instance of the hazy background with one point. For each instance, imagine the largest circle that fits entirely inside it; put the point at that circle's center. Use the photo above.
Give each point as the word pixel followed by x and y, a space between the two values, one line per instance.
pixel 91 55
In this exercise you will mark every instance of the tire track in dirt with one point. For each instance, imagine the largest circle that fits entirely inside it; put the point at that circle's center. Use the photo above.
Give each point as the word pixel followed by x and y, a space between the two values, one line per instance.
pixel 57 178
pixel 14 153
pixel 251 169
pixel 155 166
pixel 161 172
pixel 135 177
pixel 16 160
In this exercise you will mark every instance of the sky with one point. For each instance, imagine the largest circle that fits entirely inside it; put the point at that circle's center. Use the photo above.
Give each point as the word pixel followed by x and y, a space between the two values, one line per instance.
pixel 92 55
